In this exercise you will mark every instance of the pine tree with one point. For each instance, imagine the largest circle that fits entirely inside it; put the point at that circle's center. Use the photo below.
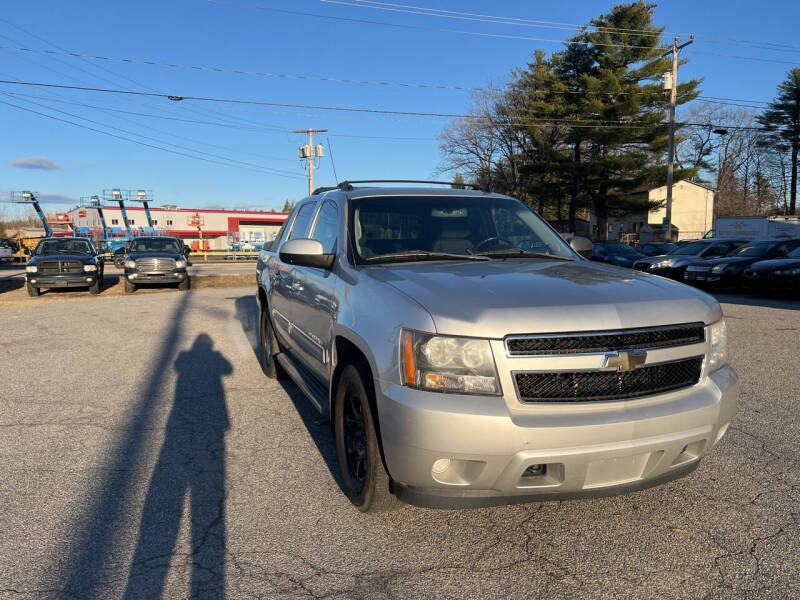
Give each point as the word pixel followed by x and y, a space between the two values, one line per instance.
pixel 625 135
pixel 782 123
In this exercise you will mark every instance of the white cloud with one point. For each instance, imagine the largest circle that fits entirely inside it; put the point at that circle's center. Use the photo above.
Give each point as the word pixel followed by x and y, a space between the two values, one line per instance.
pixel 41 163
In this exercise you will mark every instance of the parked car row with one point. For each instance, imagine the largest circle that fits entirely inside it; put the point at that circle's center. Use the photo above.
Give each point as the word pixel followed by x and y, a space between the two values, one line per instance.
pixel 75 263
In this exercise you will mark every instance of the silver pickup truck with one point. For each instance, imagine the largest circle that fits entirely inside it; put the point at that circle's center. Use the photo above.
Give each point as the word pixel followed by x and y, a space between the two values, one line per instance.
pixel 467 355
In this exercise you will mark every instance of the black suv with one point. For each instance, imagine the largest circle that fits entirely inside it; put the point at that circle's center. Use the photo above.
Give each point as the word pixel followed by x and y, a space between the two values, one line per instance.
pixel 64 262
pixel 155 259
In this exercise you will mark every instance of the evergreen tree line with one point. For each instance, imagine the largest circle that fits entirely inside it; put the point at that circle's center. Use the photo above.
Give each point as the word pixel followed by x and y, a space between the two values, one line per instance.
pixel 586 128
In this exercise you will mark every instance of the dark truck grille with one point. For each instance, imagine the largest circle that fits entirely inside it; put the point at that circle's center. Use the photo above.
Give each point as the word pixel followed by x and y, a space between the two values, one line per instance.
pixel 596 386
pixel 60 267
pixel 148 265
pixel 606 341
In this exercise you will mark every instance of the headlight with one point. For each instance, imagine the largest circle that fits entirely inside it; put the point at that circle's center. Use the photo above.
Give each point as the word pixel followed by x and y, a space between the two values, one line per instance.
pixel 180 264
pixel 32 269
pixel 718 338
pixel 793 271
pixel 662 264
pixel 88 268
pixel 130 264
pixel 719 268
pixel 447 364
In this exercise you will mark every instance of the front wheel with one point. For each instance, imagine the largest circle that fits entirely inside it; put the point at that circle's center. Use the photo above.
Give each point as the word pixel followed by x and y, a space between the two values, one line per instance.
pixel 365 481
pixel 184 285
pixel 94 289
pixel 129 287
pixel 33 291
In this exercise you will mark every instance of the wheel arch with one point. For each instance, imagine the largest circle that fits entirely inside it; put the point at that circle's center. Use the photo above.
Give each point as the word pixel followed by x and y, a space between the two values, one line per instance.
pixel 348 348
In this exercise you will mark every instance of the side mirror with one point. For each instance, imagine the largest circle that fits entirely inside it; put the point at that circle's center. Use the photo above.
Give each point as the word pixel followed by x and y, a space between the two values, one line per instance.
pixel 582 246
pixel 306 253
pixel 186 251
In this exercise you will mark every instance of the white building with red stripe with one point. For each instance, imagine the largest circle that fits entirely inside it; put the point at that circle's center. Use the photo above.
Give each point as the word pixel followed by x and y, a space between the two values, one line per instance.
pixel 216 226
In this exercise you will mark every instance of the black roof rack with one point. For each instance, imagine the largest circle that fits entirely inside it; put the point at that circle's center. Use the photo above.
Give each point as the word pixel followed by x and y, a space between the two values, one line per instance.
pixel 348 185
pixel 323 189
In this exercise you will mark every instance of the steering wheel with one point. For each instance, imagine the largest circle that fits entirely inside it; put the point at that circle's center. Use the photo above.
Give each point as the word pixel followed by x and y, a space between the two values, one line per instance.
pixel 502 242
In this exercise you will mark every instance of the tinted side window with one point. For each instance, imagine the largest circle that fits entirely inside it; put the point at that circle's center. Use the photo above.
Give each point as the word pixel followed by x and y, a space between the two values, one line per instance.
pixel 302 221
pixel 719 249
pixel 327 227
pixel 273 244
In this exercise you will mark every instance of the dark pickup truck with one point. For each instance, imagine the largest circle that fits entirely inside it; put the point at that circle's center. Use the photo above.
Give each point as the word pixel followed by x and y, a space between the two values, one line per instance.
pixel 155 259
pixel 64 262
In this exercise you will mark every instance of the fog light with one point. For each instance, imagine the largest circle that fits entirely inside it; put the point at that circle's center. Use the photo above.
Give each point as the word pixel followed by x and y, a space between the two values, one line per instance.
pixel 440 466
pixel 535 470
pixel 89 279
pixel 132 276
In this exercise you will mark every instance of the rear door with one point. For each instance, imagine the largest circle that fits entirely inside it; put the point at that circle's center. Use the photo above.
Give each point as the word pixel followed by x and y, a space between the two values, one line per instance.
pixel 282 275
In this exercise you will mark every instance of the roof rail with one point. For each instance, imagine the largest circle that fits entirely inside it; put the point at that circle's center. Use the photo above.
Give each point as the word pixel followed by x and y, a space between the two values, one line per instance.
pixel 348 185
pixel 324 189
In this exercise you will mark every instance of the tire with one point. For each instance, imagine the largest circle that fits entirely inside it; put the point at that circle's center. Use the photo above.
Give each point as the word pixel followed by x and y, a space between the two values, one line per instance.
pixel 130 288
pixel 364 478
pixel 185 284
pixel 94 289
pixel 268 348
pixel 33 292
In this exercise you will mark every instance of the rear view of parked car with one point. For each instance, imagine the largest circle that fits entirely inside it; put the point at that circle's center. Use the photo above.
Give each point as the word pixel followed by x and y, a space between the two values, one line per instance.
pixel 674 264
pixel 727 271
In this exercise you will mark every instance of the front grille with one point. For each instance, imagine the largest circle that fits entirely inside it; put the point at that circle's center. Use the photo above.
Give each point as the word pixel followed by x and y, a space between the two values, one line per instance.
pixel 148 265
pixel 606 341
pixel 60 267
pixel 698 268
pixel 597 386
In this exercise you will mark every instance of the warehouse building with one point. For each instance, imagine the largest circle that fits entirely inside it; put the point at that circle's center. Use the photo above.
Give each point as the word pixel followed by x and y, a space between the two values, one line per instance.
pixel 219 228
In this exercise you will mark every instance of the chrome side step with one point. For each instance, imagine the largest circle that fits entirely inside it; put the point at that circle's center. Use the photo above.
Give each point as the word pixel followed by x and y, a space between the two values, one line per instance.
pixel 307 383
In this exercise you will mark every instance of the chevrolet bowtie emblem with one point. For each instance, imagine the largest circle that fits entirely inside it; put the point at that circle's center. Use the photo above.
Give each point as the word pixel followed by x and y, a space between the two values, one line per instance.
pixel 624 360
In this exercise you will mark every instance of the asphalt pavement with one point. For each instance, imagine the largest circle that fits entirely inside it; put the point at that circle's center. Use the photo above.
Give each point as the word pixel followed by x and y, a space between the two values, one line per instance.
pixel 143 454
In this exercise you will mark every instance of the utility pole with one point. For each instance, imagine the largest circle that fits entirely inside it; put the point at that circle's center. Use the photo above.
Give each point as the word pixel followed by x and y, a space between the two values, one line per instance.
pixel 309 152
pixel 673 100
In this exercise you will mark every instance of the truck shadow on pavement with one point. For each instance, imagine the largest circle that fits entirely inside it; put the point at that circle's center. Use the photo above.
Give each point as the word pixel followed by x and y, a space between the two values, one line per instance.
pixel 191 463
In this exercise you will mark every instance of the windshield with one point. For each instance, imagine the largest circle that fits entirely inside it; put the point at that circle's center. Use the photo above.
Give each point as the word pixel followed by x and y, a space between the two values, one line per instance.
pixel 754 250
pixel 65 246
pixel 692 248
pixel 619 248
pixel 795 253
pixel 155 245
pixel 452 226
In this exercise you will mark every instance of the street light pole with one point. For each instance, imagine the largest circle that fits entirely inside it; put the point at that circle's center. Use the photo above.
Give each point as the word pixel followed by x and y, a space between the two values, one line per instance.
pixel 673 101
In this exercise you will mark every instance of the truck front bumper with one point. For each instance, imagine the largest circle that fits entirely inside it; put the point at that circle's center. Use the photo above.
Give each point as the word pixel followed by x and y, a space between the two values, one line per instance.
pixel 155 277
pixel 450 451
pixel 61 281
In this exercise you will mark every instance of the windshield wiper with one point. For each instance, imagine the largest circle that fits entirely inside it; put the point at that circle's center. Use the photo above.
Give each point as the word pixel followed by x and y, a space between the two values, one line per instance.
pixel 515 252
pixel 423 255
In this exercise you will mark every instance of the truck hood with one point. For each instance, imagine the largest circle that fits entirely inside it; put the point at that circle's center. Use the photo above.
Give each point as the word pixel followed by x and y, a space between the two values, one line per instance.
pixel 501 297
pixel 137 255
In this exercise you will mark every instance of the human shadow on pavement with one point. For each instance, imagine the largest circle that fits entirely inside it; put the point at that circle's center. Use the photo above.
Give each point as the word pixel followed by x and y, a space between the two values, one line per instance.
pixel 191 464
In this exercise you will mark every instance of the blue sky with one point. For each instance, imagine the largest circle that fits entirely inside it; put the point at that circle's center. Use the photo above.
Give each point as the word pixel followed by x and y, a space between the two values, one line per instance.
pixel 66 162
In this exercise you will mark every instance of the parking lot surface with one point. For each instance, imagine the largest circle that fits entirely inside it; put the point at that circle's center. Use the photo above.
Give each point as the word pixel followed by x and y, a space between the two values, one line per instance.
pixel 144 453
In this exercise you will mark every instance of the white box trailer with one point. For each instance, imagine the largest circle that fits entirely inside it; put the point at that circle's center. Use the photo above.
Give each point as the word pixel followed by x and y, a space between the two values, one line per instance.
pixel 758 227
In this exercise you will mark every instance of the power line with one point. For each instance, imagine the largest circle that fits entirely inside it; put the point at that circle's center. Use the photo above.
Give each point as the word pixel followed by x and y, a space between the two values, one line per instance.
pixel 229 162
pixel 294 76
pixel 589 123
pixel 419 27
pixel 535 23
